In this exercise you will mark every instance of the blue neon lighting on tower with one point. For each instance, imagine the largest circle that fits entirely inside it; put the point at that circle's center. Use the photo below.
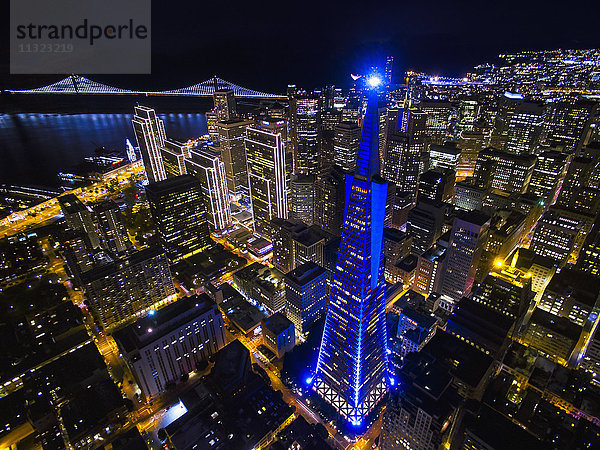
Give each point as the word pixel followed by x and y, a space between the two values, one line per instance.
pixel 351 371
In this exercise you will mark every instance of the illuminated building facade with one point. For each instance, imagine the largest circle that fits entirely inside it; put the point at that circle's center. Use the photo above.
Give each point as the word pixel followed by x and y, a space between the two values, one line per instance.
pixel 555 235
pixel 225 107
pixel 231 140
pixel 305 293
pixel 345 145
pixel 329 199
pixel 525 128
pixel 509 172
pixel 302 198
pixel 173 155
pixel 308 134
pixel 207 167
pixel 168 343
pixel 351 372
pixel 568 124
pixel 467 242
pixel 445 156
pixel 178 210
pixel 265 151
pixel 548 174
pixel 150 134
pixel 127 287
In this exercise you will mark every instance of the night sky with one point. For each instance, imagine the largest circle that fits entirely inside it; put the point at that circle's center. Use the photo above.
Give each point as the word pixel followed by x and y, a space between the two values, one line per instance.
pixel 267 45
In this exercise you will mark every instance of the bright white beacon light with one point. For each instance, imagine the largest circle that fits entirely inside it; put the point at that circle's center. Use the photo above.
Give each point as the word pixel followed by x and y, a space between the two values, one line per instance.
pixel 374 81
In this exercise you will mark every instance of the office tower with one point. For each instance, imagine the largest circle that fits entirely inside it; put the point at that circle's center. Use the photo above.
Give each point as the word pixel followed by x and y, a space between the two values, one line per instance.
pixel 124 289
pixel 265 151
pixel 511 173
pixel 540 268
pixel 351 372
pixel 470 143
pixel 206 165
pixel 506 290
pixel 345 145
pixel 302 198
pixel 305 294
pixel 79 217
pixel 468 111
pixel 467 241
pixel 547 176
pixel 446 156
pixel 403 202
pixel 525 128
pixel 171 342
pixel 389 67
pixel 178 210
pixel 568 124
pixel 589 257
pixel 150 134
pixel 508 229
pixel 579 192
pixel 437 185
pixel 555 235
pixel 306 121
pixel 110 227
pixel 425 222
pixel 77 252
pixel 173 155
pixel 225 107
pixel 233 153
pixel 211 123
pixel 330 119
pixel 468 196
pixel 396 244
pixel 262 285
pixel 278 334
pixel 330 190
pixel 403 155
pixel 131 156
pixel 284 232
pixel 430 268
pixel 439 114
pixel 506 109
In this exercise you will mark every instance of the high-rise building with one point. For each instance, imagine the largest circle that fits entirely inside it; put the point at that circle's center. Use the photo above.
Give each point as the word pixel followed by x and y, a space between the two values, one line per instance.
pixel 568 124
pixel 437 185
pixel 589 257
pixel 510 172
pixel 467 242
pixel 110 227
pixel 579 191
pixel 555 235
pixel 470 143
pixel 425 222
pixel 345 145
pixel 206 165
pixel 351 372
pixel 150 134
pixel 525 128
pixel 506 290
pixel 330 119
pixel 128 287
pixel 445 156
pixel 389 69
pixel 178 210
pixel 404 151
pixel 330 190
pixel 547 176
pixel 233 153
pixel 265 151
pixel 430 268
pixel 308 133
pixel 79 217
pixel 305 293
pixel 225 106
pixel 173 155
pixel 262 285
pixel 302 198
pixel 171 342
pixel 439 115
pixel 279 333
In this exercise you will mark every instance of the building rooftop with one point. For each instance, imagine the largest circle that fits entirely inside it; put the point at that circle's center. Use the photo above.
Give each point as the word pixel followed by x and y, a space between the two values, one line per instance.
pixel 159 323
pixel 71 204
pixel 172 185
pixel 242 313
pixel 277 323
pixel 305 273
pixel 581 286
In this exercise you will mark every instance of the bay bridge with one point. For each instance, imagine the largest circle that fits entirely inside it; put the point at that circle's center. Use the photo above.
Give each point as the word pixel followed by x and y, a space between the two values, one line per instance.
pixel 78 85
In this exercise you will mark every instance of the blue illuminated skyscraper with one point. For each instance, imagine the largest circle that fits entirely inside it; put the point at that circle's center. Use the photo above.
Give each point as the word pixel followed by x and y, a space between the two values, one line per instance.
pixel 351 371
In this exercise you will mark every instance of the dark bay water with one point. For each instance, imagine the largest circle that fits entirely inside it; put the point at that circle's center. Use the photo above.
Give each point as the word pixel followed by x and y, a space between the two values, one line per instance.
pixel 34 147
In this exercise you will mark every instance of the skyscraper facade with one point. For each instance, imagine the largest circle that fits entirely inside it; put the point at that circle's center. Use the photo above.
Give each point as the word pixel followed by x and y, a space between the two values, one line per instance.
pixel 265 151
pixel 178 210
pixel 231 140
pixel 302 198
pixel 345 145
pixel 351 372
pixel 208 168
pixel 308 134
pixel 150 134
pixel 225 106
